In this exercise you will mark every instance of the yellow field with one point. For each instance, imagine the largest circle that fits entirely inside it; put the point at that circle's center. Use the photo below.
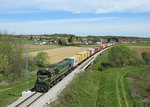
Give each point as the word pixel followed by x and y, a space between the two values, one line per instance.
pixel 59 54
pixel 39 47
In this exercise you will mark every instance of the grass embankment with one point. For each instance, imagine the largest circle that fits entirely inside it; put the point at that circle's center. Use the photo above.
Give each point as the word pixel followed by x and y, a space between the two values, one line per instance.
pixel 113 87
pixel 12 92
pixel 82 92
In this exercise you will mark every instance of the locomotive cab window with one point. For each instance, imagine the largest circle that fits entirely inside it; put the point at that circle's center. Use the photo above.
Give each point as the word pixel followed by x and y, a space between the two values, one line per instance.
pixel 42 73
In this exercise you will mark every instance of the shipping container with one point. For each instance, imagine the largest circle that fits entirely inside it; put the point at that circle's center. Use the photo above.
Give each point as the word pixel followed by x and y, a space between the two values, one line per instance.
pixel 95 50
pixel 104 46
pixel 79 58
pixel 100 47
pixel 88 53
pixel 83 55
pixel 74 60
pixel 112 44
pixel 92 51
pixel 108 45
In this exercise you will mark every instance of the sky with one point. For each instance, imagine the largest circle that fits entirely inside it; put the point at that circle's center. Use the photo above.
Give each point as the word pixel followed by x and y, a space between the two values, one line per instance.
pixel 79 17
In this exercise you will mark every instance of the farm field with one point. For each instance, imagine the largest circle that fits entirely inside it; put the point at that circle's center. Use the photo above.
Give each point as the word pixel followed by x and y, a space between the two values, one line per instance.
pixel 59 54
pixel 140 49
pixel 32 48
pixel 146 44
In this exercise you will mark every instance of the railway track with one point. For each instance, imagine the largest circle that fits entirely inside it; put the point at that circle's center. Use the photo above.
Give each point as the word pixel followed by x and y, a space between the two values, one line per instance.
pixel 30 100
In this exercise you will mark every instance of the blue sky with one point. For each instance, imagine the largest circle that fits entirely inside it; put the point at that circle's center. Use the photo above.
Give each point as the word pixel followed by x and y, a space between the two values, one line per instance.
pixel 79 17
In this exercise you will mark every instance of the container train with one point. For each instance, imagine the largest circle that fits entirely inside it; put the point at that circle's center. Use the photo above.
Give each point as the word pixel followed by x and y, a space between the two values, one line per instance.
pixel 48 77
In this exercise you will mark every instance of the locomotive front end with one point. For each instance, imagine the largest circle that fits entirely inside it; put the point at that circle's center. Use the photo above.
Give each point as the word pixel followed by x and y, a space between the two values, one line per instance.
pixel 43 78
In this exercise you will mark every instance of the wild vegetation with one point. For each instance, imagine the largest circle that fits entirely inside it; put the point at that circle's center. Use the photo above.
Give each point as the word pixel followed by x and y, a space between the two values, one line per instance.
pixel 41 59
pixel 146 57
pixel 11 60
pixel 11 92
pixel 120 56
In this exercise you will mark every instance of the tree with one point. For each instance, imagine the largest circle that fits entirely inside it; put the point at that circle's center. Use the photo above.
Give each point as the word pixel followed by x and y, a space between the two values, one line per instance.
pixel 146 57
pixel 41 59
pixel 31 64
pixel 122 56
pixel 12 62
pixel 69 40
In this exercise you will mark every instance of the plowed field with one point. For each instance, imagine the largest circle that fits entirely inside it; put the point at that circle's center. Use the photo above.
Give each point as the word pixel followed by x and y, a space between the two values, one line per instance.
pixel 59 54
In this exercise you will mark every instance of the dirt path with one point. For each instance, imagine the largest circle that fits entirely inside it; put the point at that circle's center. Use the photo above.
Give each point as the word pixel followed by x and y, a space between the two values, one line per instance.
pixel 119 79
pixel 123 91
pixel 117 91
pixel 98 92
pixel 5 89
pixel 59 54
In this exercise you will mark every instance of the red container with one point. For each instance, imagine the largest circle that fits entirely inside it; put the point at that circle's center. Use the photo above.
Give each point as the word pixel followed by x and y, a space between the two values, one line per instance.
pixel 100 47
pixel 106 45
pixel 95 50
pixel 90 51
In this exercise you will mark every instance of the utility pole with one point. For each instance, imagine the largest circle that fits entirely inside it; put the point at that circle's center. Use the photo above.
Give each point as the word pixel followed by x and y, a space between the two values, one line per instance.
pixel 26 70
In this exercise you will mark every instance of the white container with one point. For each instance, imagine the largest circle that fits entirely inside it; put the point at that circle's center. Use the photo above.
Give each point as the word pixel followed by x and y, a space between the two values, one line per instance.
pixel 92 51
pixel 74 61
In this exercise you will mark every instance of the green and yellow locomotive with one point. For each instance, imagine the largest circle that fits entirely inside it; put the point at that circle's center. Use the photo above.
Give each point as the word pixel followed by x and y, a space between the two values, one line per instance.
pixel 48 77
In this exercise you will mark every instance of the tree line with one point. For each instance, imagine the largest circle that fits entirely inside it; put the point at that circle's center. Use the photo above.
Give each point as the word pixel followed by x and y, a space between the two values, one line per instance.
pixel 11 60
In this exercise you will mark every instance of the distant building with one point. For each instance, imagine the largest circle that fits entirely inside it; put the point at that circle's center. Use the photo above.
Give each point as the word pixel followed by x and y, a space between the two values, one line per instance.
pixel 74 41
pixel 104 40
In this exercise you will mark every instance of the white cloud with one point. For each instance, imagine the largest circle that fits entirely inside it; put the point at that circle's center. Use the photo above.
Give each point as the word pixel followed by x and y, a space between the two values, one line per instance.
pixel 84 6
pixel 76 12
pixel 81 26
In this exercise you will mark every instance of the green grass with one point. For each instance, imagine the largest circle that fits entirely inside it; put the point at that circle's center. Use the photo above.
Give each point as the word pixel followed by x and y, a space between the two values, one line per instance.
pixel 10 93
pixel 147 44
pixel 107 96
pixel 139 86
pixel 82 92
pixel 26 41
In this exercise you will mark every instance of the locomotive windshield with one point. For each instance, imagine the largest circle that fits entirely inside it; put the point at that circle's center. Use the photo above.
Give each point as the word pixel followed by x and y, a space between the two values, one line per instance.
pixel 42 73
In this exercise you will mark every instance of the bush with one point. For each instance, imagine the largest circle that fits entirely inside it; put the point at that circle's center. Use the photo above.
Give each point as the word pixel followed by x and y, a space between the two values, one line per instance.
pixel 41 59
pixel 31 64
pixel 121 55
pixel 146 57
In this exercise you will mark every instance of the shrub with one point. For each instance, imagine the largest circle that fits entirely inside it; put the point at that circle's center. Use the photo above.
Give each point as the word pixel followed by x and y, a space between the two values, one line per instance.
pixel 146 57
pixel 41 59
pixel 122 56
pixel 31 64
